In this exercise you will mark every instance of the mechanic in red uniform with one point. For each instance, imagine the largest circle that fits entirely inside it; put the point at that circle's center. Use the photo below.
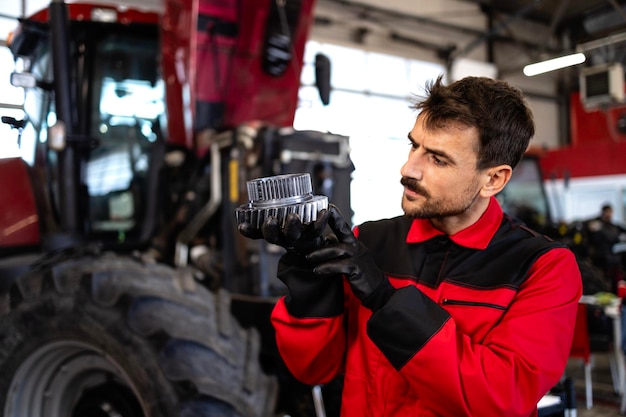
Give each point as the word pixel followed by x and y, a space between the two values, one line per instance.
pixel 454 309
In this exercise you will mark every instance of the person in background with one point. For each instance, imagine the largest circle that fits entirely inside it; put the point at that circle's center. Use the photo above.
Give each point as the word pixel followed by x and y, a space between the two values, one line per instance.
pixel 453 309
pixel 602 236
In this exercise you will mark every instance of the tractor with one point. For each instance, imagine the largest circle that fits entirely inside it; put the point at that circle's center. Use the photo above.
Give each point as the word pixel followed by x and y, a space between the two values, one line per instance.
pixel 125 288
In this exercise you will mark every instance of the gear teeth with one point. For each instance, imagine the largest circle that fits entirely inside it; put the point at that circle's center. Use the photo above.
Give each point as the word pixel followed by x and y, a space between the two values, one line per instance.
pixel 279 196
pixel 281 187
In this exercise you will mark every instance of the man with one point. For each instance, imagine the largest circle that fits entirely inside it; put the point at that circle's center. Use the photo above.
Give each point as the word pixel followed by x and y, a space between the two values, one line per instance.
pixel 602 235
pixel 453 309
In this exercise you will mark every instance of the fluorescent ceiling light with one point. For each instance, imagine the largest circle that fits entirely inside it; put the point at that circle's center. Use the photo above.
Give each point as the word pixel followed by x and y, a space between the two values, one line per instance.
pixel 554 64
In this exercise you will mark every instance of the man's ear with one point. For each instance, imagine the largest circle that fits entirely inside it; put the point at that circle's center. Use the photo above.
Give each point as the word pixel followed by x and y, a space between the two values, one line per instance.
pixel 498 177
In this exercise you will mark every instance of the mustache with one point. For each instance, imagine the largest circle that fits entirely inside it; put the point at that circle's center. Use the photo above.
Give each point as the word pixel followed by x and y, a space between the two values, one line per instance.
pixel 413 185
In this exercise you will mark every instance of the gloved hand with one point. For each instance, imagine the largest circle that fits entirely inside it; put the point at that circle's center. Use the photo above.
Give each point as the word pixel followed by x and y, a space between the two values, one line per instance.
pixel 309 294
pixel 350 257
pixel 294 235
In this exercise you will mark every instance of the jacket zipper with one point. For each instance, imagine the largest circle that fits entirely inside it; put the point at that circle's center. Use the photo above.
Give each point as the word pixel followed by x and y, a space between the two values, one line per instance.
pixel 447 301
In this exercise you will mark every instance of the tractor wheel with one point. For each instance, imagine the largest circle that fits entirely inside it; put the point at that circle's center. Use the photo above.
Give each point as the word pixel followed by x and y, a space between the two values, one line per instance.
pixel 109 336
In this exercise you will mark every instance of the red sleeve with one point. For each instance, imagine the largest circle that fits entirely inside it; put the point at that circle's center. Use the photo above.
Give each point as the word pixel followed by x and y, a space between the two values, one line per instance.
pixel 507 372
pixel 312 348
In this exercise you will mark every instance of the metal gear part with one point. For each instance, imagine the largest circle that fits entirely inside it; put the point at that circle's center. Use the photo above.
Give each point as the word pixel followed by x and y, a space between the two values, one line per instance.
pixel 278 196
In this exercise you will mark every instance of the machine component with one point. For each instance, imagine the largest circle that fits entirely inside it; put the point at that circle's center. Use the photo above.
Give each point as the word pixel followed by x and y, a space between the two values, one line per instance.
pixel 279 195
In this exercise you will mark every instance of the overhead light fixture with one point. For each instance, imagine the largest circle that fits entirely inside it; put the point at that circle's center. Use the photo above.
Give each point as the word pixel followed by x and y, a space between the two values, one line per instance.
pixel 554 64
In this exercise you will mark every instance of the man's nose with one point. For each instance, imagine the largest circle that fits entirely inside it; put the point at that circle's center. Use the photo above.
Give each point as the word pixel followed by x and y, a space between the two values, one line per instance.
pixel 413 166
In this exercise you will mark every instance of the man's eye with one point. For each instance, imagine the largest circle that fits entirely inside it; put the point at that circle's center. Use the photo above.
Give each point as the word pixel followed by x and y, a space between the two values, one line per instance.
pixel 413 145
pixel 438 161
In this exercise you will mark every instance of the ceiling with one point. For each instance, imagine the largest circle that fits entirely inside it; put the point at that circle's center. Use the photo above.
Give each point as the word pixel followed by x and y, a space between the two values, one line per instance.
pixel 571 21
pixel 582 20
pixel 557 27
pixel 595 27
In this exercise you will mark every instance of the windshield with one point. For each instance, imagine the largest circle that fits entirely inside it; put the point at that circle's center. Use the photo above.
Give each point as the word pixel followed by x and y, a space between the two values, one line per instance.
pixel 118 113
pixel 126 105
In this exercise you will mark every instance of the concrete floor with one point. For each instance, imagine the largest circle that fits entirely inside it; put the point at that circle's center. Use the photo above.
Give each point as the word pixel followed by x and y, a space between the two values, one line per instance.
pixel 606 402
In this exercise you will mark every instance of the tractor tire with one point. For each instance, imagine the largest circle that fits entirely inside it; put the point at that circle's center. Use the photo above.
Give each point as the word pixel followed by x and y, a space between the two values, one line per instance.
pixel 109 336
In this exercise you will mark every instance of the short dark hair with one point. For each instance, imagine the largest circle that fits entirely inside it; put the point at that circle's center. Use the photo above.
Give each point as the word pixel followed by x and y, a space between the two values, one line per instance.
pixel 495 108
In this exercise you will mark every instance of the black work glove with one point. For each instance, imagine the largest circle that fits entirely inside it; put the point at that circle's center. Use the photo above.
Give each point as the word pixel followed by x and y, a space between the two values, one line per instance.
pixel 309 294
pixel 293 235
pixel 351 258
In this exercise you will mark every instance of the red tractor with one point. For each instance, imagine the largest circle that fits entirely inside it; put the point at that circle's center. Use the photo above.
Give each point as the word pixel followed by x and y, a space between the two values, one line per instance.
pixel 125 288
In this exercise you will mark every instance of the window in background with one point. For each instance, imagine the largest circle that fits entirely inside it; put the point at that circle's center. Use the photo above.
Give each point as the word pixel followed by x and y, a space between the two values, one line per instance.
pixel 370 103
pixel 11 100
pixel 10 10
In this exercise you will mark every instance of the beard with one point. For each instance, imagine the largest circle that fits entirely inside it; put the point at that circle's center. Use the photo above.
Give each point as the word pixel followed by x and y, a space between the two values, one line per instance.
pixel 436 207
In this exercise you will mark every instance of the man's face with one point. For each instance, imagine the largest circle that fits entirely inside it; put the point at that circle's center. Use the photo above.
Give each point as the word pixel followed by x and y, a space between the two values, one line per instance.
pixel 440 177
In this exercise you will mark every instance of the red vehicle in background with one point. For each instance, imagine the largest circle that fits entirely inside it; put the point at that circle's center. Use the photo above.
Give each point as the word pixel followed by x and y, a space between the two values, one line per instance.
pixel 559 191
pixel 125 288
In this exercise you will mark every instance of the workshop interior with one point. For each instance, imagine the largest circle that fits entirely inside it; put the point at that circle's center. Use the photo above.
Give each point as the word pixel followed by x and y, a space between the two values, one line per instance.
pixel 138 135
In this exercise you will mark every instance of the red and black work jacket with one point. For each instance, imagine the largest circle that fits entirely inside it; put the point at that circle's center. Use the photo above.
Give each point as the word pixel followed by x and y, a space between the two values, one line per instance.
pixel 480 324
